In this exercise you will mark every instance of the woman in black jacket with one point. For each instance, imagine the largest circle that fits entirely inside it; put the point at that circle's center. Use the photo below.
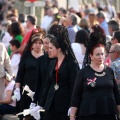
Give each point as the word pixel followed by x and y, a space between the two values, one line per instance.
pixel 61 76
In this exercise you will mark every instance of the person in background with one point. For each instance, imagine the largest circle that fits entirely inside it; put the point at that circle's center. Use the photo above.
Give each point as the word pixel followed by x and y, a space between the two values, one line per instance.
pixel 79 46
pixel 30 24
pixel 14 45
pixel 71 22
pixel 113 26
pixel 47 20
pixel 7 106
pixel 92 20
pixel 84 24
pixel 7 37
pixel 16 31
pixel 102 21
pixel 114 54
pixel 97 28
pixel 107 57
pixel 22 19
pixel 116 37
pixel 5 64
pixel 95 95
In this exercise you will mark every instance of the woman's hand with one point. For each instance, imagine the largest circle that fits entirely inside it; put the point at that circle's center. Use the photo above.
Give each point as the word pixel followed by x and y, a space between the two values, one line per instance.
pixel 72 118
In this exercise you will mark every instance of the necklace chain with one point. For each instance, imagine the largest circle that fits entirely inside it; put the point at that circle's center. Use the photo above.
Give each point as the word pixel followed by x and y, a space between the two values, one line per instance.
pixel 100 75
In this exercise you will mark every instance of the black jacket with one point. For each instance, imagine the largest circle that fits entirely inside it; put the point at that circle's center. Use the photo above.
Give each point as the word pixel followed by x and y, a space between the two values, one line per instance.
pixel 66 77
pixel 43 63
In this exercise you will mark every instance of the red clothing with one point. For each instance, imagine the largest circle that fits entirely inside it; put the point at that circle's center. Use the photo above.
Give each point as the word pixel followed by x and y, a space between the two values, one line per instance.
pixel 108 61
pixel 26 37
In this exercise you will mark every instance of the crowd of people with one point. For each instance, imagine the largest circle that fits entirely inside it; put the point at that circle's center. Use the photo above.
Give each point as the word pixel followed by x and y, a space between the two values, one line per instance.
pixel 69 65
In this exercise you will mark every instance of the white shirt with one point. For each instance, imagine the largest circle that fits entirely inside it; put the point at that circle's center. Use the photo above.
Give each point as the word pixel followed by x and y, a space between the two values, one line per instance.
pixel 79 53
pixel 10 86
pixel 6 39
pixel 46 22
pixel 15 62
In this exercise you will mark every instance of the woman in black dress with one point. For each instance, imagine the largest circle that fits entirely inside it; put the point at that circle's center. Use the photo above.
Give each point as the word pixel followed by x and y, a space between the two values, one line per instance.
pixel 95 95
pixel 27 72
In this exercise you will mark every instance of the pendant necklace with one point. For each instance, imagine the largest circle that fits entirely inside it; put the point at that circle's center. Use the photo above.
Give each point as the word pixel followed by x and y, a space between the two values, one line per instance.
pixel 56 86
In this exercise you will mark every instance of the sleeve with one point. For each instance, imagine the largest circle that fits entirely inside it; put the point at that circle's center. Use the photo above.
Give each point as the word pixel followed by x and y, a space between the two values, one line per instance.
pixel 39 87
pixel 46 89
pixel 113 67
pixel 15 61
pixel 71 35
pixel 21 71
pixel 7 62
pixel 77 91
pixel 11 85
pixel 26 38
pixel 115 91
pixel 73 69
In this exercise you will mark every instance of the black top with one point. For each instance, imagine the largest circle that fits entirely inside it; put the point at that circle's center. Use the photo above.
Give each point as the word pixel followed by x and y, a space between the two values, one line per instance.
pixel 27 72
pixel 43 63
pixel 100 99
pixel 60 98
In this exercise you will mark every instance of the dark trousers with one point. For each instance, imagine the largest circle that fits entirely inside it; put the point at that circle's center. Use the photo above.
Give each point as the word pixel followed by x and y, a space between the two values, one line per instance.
pixel 6 109
pixel 98 117
pixel 53 115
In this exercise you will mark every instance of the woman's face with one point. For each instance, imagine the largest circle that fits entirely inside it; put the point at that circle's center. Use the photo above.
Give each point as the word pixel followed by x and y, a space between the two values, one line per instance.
pixel 53 51
pixel 37 46
pixel 46 44
pixel 98 56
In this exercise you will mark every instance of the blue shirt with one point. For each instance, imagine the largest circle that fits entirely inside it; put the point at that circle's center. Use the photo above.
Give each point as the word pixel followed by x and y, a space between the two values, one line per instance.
pixel 72 32
pixel 116 68
pixel 104 25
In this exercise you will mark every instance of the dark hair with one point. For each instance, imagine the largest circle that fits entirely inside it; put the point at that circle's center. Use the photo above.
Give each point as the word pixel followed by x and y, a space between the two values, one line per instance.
pixel 108 45
pixel 53 40
pixel 100 15
pixel 96 46
pixel 32 19
pixel 62 38
pixel 15 42
pixel 16 29
pixel 73 19
pixel 97 39
pixel 82 37
pixel 117 35
pixel 98 28
pixel 63 10
pixel 34 33
pixel 114 25
pixel 21 18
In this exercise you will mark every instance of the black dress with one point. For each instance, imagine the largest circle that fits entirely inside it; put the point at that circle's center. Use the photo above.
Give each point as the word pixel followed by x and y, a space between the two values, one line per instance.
pixel 27 75
pixel 99 101
pixel 57 102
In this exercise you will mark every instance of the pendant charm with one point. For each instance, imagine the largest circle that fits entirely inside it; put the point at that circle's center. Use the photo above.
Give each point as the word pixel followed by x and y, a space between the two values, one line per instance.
pixel 56 86
pixel 92 84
